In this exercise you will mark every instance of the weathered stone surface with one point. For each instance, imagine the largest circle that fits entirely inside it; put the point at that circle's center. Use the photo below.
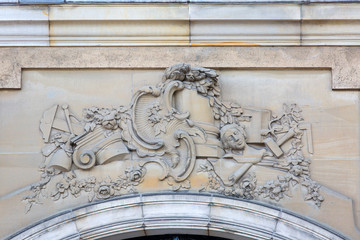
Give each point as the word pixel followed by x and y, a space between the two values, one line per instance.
pixel 343 61
pixel 179 24
pixel 119 25
pixel 264 89
pixel 245 24
pixel 182 213
pixel 24 26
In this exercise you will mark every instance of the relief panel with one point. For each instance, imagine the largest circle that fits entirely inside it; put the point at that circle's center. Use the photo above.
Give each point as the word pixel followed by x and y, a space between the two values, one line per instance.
pixel 251 134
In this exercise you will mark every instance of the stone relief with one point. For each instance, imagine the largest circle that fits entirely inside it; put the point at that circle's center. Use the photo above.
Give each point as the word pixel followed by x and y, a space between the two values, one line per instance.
pixel 182 126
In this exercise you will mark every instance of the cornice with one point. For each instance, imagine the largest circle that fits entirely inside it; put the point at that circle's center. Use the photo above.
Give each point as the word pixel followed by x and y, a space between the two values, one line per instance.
pixel 180 24
pixel 51 2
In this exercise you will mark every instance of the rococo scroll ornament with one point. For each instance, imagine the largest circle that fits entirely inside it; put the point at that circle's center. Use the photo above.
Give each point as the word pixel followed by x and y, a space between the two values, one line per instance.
pixel 200 142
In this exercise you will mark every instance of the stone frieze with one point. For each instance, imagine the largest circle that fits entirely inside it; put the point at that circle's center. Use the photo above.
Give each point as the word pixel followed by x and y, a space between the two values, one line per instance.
pixel 176 136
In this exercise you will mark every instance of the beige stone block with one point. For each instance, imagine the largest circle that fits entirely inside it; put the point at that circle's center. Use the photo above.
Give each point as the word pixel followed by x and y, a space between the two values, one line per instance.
pixel 244 25
pixel 338 174
pixel 330 24
pixel 24 26
pixel 329 213
pixel 57 228
pixel 17 164
pixel 119 25
pixel 330 32
pixel 331 12
pixel 245 12
pixel 120 212
pixel 244 32
pixel 118 12
pixel 24 13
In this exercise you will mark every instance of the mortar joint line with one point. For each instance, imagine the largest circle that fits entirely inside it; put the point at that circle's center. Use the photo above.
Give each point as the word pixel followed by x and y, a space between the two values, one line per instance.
pixel 209 214
pixel 142 213
pixel 276 223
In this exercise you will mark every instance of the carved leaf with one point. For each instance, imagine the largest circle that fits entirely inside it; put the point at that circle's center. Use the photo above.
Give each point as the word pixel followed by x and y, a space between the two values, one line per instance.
pixel 28 207
pixel 160 128
pixel 176 187
pixel 195 131
pixel 211 101
pixel 203 187
pixel 87 127
pixel 56 196
pixel 293 183
pixel 66 193
pixel 91 196
pixel 216 89
pixel 308 197
pixel 92 126
pixel 186 184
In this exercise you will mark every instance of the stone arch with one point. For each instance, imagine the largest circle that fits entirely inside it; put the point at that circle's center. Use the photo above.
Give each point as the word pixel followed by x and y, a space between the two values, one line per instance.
pixel 177 213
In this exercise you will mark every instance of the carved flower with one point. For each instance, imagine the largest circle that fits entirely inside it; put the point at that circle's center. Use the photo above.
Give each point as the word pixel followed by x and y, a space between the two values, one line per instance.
pixel 275 189
pixel 178 185
pixel 135 176
pixel 82 184
pixel 104 190
pixel 214 183
pixel 75 188
pixel 296 170
pixel 89 184
pixel 313 191
pixel 109 122
pixel 177 72
pixel 120 112
pixel 104 111
pixel 248 186
pixel 88 115
pixel 61 189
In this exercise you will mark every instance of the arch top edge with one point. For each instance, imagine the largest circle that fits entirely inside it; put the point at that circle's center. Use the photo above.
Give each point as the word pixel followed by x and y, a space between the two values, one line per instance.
pixel 177 213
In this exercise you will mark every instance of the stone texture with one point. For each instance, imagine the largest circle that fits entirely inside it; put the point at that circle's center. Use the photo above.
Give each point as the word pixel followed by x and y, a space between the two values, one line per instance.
pixel 187 24
pixel 245 24
pixel 24 26
pixel 9 2
pixel 260 77
pixel 184 216
pixel 333 114
pixel 342 61
pixel 119 25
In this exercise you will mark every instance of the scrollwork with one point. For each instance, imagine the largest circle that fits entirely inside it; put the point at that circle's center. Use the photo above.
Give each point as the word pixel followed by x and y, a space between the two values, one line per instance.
pixel 153 129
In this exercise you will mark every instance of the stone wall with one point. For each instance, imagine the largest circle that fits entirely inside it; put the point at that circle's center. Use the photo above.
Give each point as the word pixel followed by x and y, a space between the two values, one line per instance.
pixel 253 107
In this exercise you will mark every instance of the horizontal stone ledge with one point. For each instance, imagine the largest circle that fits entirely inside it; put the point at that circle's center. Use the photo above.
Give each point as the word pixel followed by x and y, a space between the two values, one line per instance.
pixel 173 1
pixel 181 25
pixel 343 61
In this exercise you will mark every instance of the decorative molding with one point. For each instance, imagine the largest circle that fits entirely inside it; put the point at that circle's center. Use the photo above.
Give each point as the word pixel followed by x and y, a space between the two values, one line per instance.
pixel 180 23
pixel 119 25
pixel 161 127
pixel 173 1
pixel 204 214
pixel 245 152
pixel 245 24
pixel 343 61
pixel 24 26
